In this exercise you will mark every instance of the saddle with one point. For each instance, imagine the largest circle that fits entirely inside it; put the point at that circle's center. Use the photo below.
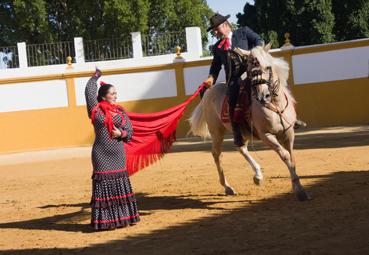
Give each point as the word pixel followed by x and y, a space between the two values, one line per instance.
pixel 242 111
pixel 225 115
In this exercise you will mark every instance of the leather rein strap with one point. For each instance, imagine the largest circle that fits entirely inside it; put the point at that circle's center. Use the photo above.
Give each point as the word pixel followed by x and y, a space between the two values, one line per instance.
pixel 274 108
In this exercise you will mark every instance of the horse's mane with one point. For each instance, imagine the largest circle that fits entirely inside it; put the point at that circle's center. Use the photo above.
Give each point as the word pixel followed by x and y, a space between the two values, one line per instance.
pixel 279 65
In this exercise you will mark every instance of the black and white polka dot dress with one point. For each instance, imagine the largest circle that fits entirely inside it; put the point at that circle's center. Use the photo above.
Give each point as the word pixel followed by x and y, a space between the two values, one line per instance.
pixel 113 202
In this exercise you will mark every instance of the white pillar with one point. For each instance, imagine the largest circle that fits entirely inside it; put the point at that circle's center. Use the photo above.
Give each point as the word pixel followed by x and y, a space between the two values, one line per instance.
pixel 78 50
pixel 22 54
pixel 194 42
pixel 137 45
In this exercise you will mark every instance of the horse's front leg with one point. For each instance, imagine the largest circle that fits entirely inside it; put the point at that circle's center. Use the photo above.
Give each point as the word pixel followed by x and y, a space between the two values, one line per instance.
pixel 258 177
pixel 302 195
pixel 216 151
pixel 288 159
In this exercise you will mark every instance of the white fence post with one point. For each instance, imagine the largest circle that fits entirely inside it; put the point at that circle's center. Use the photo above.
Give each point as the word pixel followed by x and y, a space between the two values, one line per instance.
pixel 22 54
pixel 137 45
pixel 79 50
pixel 194 42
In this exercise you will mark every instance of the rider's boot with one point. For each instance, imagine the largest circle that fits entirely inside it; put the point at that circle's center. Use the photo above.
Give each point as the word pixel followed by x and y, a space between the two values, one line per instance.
pixel 299 123
pixel 237 134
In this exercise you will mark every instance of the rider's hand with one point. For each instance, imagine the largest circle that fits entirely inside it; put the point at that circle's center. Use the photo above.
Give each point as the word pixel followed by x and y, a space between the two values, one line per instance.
pixel 209 81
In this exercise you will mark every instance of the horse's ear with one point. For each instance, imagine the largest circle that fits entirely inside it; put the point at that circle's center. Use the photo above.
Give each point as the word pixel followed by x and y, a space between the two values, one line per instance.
pixel 268 46
pixel 242 52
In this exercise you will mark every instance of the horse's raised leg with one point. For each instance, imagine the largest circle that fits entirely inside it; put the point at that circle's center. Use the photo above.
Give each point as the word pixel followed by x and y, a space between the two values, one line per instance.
pixel 258 177
pixel 302 195
pixel 288 159
pixel 217 151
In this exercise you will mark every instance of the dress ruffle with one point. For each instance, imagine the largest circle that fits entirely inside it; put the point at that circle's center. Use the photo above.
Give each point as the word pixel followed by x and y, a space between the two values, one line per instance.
pixel 109 175
pixel 113 202
pixel 116 201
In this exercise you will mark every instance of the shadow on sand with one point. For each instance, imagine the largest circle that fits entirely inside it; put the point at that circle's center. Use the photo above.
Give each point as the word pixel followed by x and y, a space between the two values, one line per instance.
pixel 331 138
pixel 147 204
pixel 335 222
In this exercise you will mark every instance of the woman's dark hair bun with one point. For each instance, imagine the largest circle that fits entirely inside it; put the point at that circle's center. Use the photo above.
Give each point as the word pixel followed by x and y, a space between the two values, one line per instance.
pixel 103 90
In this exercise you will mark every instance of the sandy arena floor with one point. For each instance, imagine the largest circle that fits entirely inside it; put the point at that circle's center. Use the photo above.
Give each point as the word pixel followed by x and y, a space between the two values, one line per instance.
pixel 44 201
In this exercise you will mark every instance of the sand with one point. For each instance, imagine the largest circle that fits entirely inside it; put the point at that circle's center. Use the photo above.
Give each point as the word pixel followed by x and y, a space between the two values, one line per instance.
pixel 44 201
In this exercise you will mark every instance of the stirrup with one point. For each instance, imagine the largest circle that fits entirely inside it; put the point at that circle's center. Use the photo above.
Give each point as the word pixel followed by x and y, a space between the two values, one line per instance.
pixel 299 123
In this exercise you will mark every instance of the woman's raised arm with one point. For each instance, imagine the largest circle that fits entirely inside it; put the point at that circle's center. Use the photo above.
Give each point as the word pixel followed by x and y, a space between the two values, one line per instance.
pixel 91 92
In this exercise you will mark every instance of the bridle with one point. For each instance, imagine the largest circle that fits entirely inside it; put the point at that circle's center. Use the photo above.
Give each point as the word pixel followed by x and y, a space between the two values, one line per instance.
pixel 254 73
pixel 254 78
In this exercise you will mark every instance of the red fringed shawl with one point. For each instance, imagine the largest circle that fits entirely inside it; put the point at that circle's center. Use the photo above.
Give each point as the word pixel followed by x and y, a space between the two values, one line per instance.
pixel 107 108
pixel 153 135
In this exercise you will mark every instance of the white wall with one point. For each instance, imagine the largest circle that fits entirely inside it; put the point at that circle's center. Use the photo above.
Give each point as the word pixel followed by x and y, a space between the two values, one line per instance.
pixel 331 65
pixel 194 76
pixel 307 68
pixel 33 95
pixel 135 86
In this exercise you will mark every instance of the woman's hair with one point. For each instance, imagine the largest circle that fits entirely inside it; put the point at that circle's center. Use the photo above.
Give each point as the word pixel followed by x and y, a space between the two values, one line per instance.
pixel 103 91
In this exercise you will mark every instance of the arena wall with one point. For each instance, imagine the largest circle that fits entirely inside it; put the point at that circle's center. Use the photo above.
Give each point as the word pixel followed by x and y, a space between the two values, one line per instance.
pixel 44 107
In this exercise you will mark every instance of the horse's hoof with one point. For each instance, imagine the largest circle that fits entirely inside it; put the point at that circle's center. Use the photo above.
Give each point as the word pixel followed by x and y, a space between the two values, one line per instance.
pixel 302 195
pixel 230 191
pixel 258 181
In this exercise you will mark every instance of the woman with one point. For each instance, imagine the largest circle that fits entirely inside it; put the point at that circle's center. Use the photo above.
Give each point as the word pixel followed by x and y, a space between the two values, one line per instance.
pixel 113 202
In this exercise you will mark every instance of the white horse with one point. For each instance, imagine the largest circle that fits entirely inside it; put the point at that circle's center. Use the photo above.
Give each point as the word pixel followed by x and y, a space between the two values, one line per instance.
pixel 272 115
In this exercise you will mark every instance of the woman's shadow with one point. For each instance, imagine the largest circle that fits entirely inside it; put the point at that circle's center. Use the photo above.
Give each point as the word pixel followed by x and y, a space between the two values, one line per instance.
pixel 71 222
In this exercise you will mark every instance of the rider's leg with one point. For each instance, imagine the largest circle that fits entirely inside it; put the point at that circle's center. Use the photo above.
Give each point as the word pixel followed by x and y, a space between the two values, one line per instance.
pixel 233 90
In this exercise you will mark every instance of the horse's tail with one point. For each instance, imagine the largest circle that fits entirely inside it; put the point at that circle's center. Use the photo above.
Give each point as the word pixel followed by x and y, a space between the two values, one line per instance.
pixel 198 123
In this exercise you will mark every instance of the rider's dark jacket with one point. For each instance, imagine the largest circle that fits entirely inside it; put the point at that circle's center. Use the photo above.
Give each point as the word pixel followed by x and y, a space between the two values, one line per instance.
pixel 243 38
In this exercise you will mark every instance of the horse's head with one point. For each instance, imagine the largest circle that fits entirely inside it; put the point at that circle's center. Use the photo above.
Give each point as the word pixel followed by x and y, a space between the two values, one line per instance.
pixel 262 78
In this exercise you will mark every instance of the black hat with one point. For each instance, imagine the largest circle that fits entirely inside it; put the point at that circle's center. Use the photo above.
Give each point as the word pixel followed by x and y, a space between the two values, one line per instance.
pixel 216 20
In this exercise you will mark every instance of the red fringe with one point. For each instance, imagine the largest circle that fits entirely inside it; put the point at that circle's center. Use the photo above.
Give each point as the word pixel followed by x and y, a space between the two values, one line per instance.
pixel 107 108
pixel 153 135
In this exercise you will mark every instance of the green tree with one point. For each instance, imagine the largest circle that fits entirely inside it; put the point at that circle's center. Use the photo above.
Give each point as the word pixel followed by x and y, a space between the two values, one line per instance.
pixel 96 19
pixel 23 21
pixel 308 21
pixel 68 19
pixel 352 19
pixel 168 15
pixel 124 16
pixel 41 21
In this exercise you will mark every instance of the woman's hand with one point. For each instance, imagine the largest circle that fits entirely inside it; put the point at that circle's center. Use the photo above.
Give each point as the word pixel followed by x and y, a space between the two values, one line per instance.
pixel 97 73
pixel 116 132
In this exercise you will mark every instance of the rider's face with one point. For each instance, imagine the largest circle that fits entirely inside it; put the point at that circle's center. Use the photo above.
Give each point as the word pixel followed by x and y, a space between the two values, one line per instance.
pixel 221 30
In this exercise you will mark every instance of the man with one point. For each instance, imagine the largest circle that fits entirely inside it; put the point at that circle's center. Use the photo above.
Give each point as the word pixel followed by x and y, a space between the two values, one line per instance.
pixel 243 38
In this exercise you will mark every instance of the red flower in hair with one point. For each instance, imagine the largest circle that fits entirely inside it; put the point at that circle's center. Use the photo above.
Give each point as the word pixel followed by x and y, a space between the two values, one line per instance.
pixel 103 83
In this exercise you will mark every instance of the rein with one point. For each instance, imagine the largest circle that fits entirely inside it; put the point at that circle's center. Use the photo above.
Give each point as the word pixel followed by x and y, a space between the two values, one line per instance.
pixel 276 109
pixel 255 77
